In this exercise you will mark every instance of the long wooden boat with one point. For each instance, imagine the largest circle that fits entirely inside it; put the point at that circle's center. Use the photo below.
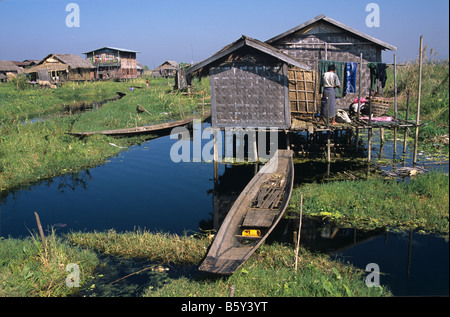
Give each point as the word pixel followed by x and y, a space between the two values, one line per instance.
pixel 141 130
pixel 253 216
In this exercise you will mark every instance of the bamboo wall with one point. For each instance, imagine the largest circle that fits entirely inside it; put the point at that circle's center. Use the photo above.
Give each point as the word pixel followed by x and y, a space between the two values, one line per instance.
pixel 247 94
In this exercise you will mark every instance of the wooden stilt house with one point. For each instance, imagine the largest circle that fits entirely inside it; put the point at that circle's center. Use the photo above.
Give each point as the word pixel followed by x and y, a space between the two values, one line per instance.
pixel 323 40
pixel 250 85
pixel 61 67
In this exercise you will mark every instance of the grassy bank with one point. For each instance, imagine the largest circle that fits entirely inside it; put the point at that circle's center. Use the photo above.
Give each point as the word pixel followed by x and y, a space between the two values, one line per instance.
pixel 27 269
pixel 39 150
pixel 270 272
pixel 421 203
pixel 17 105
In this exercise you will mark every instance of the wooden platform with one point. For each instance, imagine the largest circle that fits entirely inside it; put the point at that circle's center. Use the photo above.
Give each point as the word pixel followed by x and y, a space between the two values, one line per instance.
pixel 313 125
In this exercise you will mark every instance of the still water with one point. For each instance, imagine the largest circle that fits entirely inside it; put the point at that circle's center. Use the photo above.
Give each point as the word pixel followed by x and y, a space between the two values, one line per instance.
pixel 143 188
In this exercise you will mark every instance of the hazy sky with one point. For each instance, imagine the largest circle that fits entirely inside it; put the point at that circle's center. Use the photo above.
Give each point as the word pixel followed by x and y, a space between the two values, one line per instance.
pixel 186 30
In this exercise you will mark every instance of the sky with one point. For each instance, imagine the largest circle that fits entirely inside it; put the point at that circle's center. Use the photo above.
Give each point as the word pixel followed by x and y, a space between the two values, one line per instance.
pixel 192 30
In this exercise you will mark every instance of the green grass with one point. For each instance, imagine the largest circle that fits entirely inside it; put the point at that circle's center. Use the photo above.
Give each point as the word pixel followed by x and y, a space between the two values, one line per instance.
pixel 26 270
pixel 421 203
pixel 17 105
pixel 160 247
pixel 40 150
pixel 269 272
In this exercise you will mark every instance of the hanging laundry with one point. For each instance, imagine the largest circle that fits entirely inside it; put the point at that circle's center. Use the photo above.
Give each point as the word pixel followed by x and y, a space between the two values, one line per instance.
pixel 377 75
pixel 381 73
pixel 340 71
pixel 350 69
pixel 373 75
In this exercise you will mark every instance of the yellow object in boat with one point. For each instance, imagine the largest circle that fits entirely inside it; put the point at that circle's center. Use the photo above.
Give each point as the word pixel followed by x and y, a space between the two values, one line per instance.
pixel 251 233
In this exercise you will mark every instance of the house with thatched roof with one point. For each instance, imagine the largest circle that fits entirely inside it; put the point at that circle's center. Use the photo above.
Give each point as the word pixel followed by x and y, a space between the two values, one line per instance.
pixel 166 69
pixel 8 70
pixel 113 62
pixel 61 67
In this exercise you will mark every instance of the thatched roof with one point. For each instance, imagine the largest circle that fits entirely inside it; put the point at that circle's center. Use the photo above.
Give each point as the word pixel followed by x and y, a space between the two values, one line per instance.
pixel 199 69
pixel 71 61
pixel 8 66
pixel 167 65
pixel 340 25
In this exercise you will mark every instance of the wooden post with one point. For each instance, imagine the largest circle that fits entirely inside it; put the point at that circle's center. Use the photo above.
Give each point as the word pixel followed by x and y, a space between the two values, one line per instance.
pixel 288 141
pixel 41 233
pixel 369 131
pixel 406 128
pixel 299 231
pixel 395 105
pixel 359 84
pixel 215 146
pixel 416 140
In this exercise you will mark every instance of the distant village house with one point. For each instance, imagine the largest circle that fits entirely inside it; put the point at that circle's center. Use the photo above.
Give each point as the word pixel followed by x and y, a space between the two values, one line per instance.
pixel 112 63
pixel 56 68
pixel 8 70
pixel 26 63
pixel 166 69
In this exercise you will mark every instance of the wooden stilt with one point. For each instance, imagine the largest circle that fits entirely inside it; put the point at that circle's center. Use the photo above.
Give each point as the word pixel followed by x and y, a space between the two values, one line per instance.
pixel 395 105
pixel 416 140
pixel 406 128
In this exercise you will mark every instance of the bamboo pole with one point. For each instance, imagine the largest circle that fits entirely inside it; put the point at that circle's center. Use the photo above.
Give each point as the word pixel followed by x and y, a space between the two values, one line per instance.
pixel 406 128
pixel 395 105
pixel 359 84
pixel 299 231
pixel 139 106
pixel 418 100
pixel 41 233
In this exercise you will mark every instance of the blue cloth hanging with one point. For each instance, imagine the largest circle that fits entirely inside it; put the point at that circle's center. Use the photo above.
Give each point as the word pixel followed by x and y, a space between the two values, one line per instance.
pixel 350 69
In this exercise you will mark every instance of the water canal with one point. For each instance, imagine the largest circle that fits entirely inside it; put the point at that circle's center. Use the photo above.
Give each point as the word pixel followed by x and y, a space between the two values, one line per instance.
pixel 143 188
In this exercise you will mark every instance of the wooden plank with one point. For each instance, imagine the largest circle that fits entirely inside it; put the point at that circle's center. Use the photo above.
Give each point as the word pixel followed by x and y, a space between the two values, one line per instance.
pixel 259 218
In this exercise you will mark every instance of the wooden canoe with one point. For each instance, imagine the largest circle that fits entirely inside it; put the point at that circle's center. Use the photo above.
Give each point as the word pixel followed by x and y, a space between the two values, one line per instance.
pixel 141 130
pixel 253 216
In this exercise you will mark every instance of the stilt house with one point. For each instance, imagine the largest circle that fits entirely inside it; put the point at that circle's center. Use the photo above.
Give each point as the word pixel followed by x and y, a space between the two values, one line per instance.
pixel 249 84
pixel 321 41
pixel 111 62
pixel 61 67
pixel 8 70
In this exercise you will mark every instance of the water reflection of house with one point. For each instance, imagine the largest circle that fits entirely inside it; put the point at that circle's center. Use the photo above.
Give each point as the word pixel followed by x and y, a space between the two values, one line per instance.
pixel 111 62
pixel 8 70
pixel 61 67
pixel 166 69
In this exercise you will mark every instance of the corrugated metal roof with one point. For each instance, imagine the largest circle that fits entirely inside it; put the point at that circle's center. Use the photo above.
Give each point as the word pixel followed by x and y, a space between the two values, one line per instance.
pixel 114 49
